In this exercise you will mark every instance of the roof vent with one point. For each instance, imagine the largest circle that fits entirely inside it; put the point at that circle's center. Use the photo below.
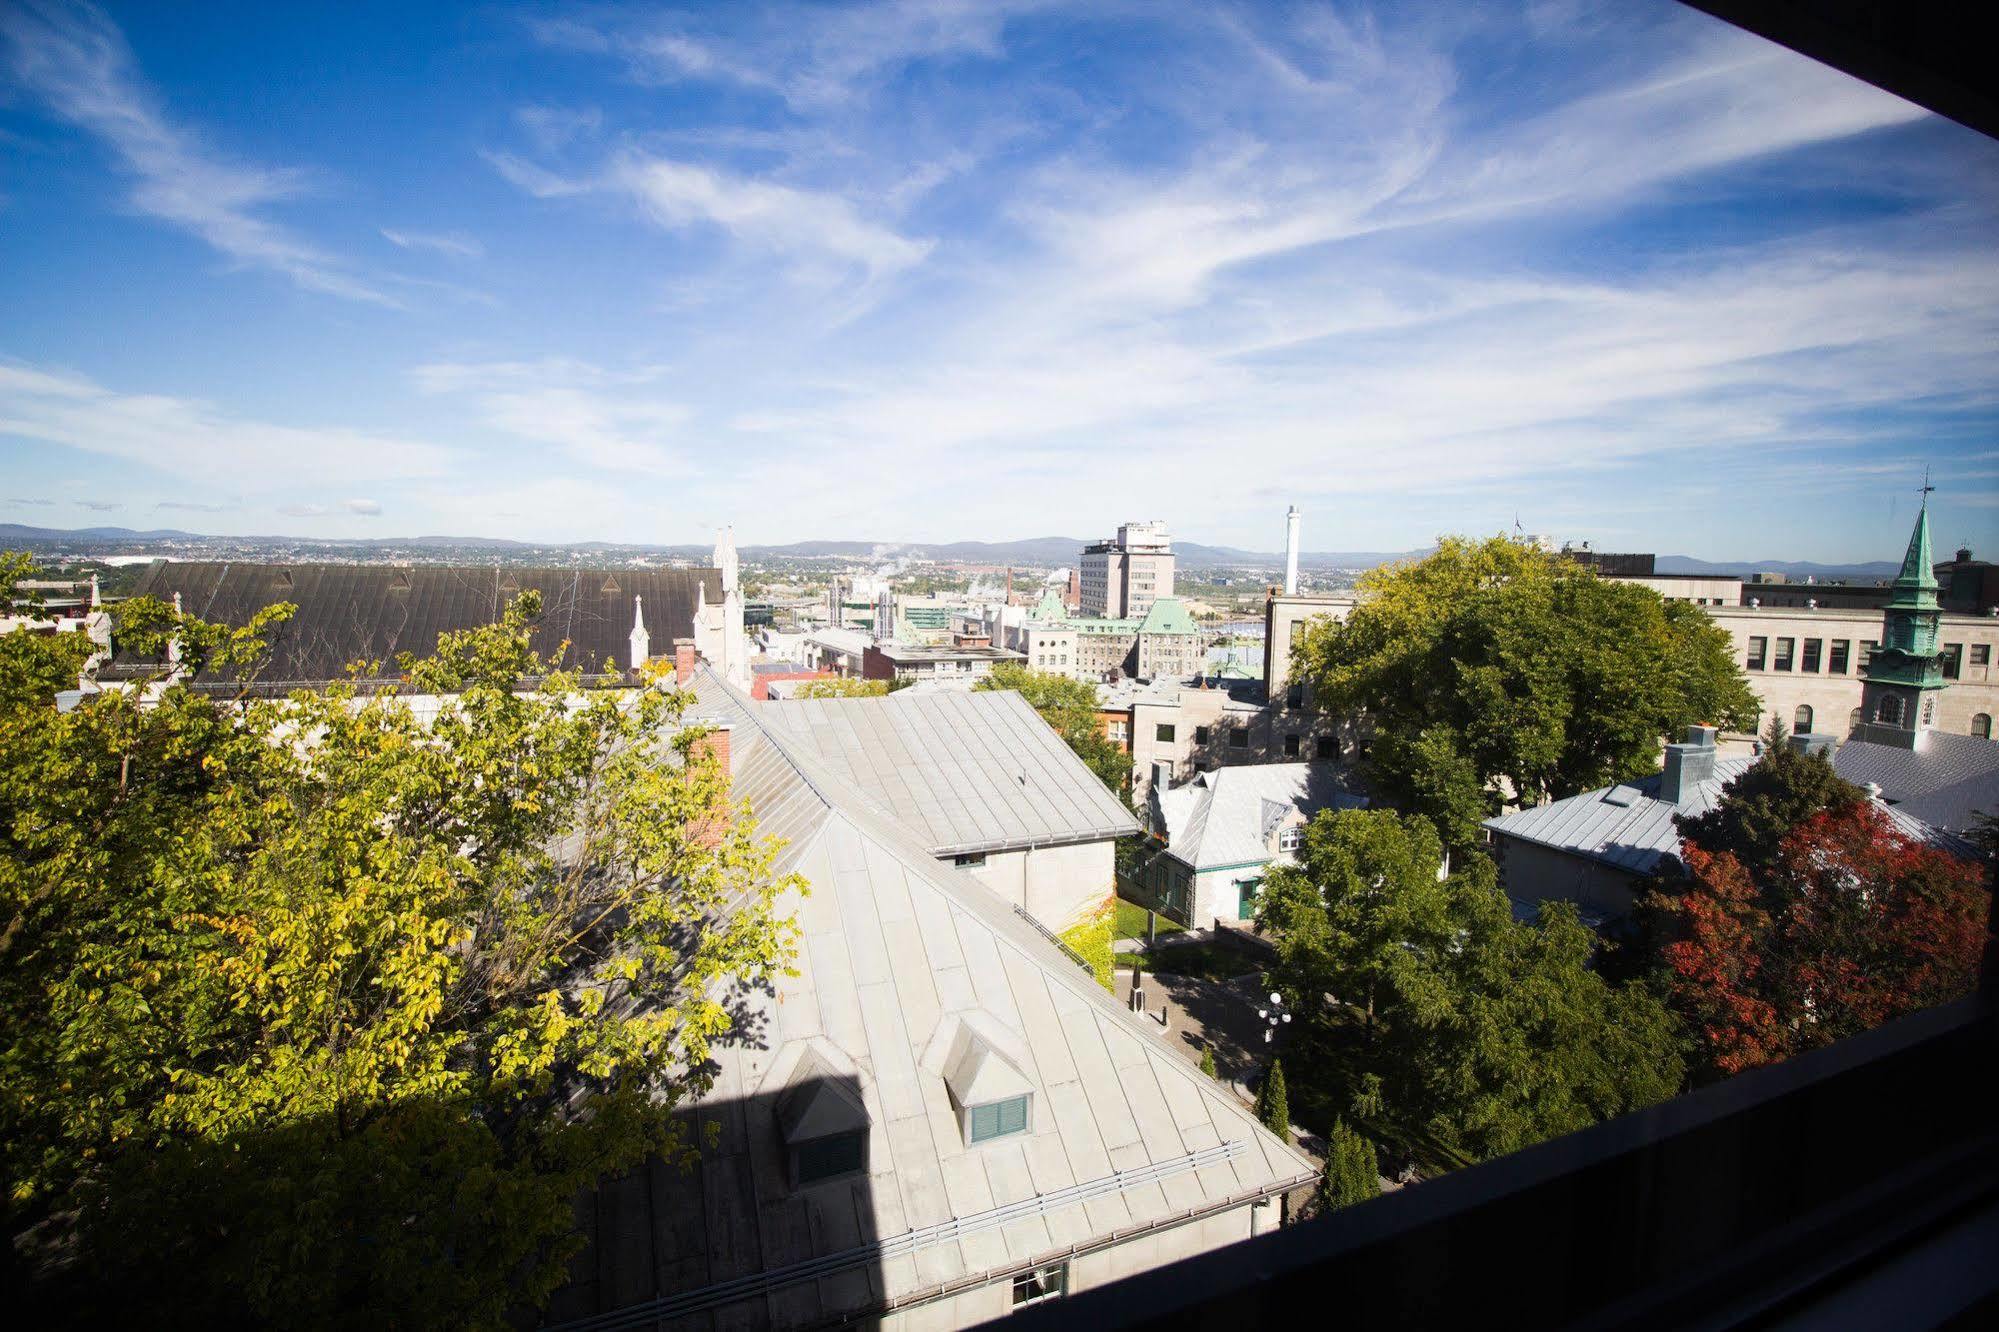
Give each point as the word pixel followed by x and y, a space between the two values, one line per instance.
pixel 977 1074
pixel 1621 795
pixel 610 585
pixel 283 581
pixel 399 581
pixel 819 1103
pixel 510 583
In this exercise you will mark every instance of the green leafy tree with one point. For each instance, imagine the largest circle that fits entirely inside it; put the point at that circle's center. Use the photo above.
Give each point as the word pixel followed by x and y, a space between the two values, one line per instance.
pixel 319 1010
pixel 1273 1101
pixel 1494 668
pixel 1468 1033
pixel 1351 1174
pixel 842 686
pixel 1760 807
pixel 1069 706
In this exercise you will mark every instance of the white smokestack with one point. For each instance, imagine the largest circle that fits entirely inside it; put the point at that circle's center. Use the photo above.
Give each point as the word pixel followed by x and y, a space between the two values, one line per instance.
pixel 1291 552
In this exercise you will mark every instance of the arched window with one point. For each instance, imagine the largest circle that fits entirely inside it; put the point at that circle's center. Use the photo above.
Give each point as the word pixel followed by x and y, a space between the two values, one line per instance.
pixel 1853 720
pixel 1981 725
pixel 1890 713
pixel 1801 723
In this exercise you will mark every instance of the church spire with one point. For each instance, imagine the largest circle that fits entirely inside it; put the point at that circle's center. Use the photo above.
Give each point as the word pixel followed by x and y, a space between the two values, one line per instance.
pixel 1916 585
pixel 1904 675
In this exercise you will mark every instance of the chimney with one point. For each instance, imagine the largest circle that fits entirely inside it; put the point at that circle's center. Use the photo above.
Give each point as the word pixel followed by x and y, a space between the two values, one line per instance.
pixel 1162 776
pixel 1688 765
pixel 683 660
pixel 1291 552
pixel 1806 742
pixel 716 743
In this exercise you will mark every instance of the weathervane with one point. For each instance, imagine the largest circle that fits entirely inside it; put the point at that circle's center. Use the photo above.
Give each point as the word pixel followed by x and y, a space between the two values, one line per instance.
pixel 1927 487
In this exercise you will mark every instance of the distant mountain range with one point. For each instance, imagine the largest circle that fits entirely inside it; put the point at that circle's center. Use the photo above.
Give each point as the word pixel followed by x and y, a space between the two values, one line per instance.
pixel 1046 552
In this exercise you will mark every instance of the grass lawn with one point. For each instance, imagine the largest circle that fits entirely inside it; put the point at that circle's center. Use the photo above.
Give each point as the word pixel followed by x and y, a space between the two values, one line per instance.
pixel 1130 922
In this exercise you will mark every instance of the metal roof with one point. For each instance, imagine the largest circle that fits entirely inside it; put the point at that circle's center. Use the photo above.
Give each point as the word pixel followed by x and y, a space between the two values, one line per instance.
pixel 1220 817
pixel 1629 827
pixel 374 612
pixel 1946 783
pixel 966 770
pixel 898 954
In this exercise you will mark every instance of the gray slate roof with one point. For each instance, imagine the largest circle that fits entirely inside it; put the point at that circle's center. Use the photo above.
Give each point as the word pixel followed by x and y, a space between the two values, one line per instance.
pixel 1947 782
pixel 965 770
pixel 900 956
pixel 373 612
pixel 1627 826
pixel 1225 817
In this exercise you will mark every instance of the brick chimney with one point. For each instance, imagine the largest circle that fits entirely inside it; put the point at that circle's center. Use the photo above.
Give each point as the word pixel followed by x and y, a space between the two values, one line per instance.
pixel 716 742
pixel 1688 764
pixel 683 660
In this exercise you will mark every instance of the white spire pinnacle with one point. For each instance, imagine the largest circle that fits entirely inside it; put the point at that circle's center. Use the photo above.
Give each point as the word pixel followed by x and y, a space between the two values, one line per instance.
pixel 641 641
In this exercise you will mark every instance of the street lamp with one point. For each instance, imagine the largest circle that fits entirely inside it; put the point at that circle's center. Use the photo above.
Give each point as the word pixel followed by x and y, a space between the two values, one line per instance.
pixel 1273 1016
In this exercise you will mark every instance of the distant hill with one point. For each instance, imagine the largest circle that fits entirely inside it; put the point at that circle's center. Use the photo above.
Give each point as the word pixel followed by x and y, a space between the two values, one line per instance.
pixel 1046 552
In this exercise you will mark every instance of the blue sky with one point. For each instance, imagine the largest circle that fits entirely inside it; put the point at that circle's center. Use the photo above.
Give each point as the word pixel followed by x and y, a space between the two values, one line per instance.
pixel 980 269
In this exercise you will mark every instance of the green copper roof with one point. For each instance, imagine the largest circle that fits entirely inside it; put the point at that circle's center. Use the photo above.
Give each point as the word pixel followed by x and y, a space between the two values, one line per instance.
pixel 1051 608
pixel 1916 585
pixel 1168 616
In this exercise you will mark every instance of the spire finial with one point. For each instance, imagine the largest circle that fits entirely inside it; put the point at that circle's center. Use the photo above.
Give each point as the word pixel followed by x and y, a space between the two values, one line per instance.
pixel 1927 487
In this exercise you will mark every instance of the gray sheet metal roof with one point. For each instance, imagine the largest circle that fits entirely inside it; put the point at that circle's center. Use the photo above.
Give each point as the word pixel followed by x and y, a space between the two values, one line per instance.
pixel 1219 817
pixel 373 612
pixel 967 770
pixel 1945 784
pixel 898 952
pixel 1627 826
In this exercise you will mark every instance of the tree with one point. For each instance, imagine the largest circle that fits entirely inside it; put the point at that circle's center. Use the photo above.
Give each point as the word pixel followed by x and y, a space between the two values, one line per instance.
pixel 1494 668
pixel 1851 925
pixel 1759 808
pixel 1468 1033
pixel 1273 1103
pixel 1351 1173
pixel 1070 707
pixel 313 1010
pixel 1208 1061
pixel 843 686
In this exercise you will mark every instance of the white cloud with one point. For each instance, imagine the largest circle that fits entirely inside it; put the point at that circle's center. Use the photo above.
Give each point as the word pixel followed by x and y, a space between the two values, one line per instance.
pixel 366 507
pixel 451 244
pixel 189 438
pixel 76 60
pixel 597 417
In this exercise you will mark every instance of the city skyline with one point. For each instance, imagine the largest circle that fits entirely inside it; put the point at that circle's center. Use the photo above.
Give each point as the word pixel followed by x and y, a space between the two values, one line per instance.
pixel 1003 270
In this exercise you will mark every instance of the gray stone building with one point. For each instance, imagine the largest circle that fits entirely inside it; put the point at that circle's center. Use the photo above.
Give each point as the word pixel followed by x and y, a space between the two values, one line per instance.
pixel 1122 577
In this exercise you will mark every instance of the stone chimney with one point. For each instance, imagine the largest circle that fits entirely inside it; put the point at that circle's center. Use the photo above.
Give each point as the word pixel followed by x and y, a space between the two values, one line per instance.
pixel 1688 764
pixel 683 660
pixel 1807 742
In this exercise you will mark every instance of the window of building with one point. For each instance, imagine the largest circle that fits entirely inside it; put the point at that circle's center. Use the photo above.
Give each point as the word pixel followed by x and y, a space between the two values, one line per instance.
pixel 1289 839
pixel 1953 660
pixel 830 1157
pixel 1981 654
pixel 1811 659
pixel 1238 737
pixel 1294 697
pixel 1853 719
pixel 1291 746
pixel 1836 662
pixel 1801 720
pixel 1043 1283
pixel 1868 648
pixel 1981 725
pixel 1200 735
pixel 1001 1119
pixel 1759 649
pixel 1786 649
pixel 974 861
pixel 1327 747
pixel 1163 733
pixel 1890 712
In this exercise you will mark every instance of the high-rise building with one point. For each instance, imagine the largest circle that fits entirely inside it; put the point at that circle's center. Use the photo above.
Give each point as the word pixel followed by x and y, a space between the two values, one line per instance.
pixel 1122 577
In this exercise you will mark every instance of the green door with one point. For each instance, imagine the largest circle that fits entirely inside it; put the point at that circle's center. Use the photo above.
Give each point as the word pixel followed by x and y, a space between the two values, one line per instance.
pixel 1247 891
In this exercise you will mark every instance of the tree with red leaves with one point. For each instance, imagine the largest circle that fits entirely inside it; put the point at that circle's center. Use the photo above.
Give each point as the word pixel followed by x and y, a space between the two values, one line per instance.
pixel 1854 924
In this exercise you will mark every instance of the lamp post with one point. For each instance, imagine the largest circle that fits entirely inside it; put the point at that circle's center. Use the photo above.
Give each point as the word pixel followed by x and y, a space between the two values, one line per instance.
pixel 1274 1015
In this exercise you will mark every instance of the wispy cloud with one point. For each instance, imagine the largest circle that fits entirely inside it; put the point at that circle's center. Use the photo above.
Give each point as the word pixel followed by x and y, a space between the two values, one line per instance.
pixel 34 503
pixel 452 244
pixel 195 506
pixel 98 506
pixel 599 418
pixel 76 61
pixel 365 507
pixel 187 437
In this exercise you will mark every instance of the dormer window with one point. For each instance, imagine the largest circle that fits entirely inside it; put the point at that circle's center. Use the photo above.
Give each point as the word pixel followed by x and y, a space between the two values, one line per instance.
pixel 993 1098
pixel 823 1122
pixel 1289 838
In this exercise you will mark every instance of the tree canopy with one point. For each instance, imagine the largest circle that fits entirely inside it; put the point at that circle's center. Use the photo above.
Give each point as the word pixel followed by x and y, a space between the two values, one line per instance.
pixel 843 686
pixel 1847 925
pixel 1494 662
pixel 1457 1031
pixel 323 1009
pixel 1070 707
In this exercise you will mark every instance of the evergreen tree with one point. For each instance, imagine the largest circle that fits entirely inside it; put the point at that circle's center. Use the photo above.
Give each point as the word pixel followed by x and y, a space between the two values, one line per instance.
pixel 1758 810
pixel 1273 1104
pixel 1351 1174
pixel 1208 1061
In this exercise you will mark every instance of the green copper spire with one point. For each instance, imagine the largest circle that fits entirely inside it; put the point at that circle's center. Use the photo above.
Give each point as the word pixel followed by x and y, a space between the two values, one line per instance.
pixel 1916 585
